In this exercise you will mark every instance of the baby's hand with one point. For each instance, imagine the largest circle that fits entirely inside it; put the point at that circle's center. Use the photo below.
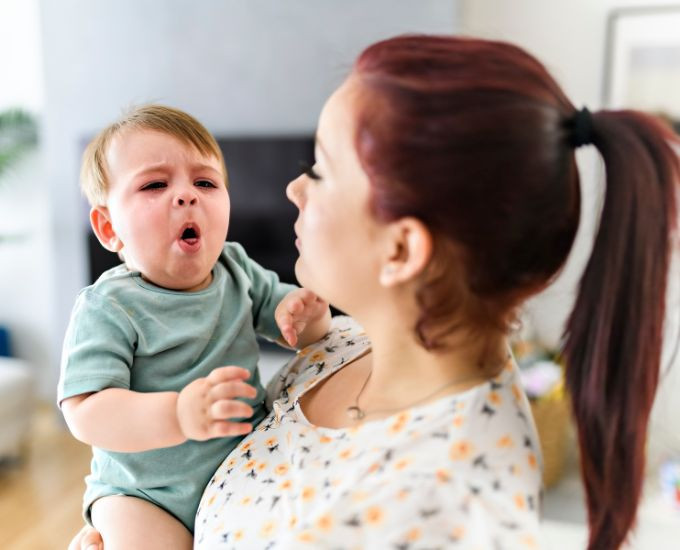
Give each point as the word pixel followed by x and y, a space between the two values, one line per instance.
pixel 205 406
pixel 298 308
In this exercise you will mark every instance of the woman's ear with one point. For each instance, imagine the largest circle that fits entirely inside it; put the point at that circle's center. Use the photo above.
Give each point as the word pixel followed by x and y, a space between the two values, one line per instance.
pixel 100 220
pixel 409 249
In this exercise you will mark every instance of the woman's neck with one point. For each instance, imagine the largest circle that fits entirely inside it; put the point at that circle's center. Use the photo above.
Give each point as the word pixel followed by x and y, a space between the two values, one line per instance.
pixel 402 369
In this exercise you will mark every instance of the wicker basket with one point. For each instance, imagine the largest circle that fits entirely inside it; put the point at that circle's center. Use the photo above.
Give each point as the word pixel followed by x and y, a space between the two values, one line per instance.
pixel 551 414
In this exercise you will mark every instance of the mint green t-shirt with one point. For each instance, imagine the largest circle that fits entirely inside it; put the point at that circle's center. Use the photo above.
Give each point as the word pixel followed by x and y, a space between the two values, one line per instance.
pixel 127 333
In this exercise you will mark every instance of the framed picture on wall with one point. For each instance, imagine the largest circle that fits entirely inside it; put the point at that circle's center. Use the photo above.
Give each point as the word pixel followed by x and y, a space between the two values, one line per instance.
pixel 643 61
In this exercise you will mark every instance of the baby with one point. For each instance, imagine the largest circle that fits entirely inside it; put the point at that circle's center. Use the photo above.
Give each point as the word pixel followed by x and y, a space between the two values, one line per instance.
pixel 143 376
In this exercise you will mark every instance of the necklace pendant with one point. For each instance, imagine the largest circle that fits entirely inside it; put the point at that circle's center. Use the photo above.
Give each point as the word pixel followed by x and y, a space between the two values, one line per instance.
pixel 355 413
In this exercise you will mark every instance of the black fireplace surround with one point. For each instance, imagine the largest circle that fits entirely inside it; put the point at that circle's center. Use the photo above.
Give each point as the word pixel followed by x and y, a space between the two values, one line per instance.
pixel 261 216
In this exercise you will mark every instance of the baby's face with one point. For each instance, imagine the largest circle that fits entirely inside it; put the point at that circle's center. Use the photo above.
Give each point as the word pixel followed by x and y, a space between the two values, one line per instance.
pixel 169 208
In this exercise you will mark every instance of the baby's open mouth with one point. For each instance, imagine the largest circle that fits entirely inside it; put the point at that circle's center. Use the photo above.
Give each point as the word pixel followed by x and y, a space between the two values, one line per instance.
pixel 189 235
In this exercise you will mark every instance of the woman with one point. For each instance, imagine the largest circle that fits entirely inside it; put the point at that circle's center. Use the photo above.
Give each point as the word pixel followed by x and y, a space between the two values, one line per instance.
pixel 445 193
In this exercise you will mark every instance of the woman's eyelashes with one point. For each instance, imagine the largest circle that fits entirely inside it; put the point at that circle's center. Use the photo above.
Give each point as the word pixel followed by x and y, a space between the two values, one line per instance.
pixel 309 171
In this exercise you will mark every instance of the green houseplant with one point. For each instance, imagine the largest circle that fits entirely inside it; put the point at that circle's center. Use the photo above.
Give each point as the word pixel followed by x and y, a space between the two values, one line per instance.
pixel 18 136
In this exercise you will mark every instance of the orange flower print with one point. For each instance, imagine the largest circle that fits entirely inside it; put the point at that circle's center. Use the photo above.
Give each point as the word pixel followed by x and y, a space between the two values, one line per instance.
pixel 374 515
pixel 239 534
pixel 249 465
pixel 533 462
pixel 460 450
pixel 325 439
pixel 282 469
pixel 505 442
pixel 308 493
pixel 495 398
pixel 402 463
pixel 268 529
pixel 529 541
pixel 413 535
pixel 516 393
pixel 316 357
pixel 403 494
pixel 247 445
pixel 346 453
pixel 325 523
pixel 399 422
pixel 285 485
pixel 271 442
pixel 353 430
pixel 245 501
pixel 458 420
pixel 443 476
pixel 292 522
pixel 458 533
pixel 306 536
pixel 261 466
pixel 520 502
pixel 396 427
pixel 403 417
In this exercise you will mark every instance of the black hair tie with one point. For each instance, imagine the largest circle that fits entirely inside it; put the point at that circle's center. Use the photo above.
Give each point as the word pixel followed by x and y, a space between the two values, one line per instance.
pixel 581 128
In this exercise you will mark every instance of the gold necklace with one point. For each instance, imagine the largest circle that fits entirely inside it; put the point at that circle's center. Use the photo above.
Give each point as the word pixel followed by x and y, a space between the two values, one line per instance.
pixel 355 412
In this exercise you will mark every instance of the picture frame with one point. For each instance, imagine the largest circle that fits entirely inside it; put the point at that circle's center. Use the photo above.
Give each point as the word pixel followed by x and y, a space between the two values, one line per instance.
pixel 642 61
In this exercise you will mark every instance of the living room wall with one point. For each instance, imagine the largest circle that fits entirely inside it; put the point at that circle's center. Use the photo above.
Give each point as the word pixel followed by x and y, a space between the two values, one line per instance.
pixel 246 68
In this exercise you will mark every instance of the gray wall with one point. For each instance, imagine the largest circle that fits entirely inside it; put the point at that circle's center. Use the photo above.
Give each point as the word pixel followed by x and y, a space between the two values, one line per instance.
pixel 239 66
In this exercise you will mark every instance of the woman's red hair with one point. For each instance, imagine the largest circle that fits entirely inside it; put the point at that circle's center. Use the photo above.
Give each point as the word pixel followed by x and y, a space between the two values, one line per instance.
pixel 473 137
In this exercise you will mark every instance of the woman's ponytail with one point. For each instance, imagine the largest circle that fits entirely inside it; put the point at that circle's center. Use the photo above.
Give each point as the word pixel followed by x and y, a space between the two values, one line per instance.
pixel 613 338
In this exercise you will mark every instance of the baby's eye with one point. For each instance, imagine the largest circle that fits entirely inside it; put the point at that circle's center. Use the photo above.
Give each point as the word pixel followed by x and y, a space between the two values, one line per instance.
pixel 204 183
pixel 154 185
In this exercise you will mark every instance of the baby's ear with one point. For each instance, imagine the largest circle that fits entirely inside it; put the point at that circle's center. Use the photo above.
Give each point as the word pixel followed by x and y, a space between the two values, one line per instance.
pixel 100 220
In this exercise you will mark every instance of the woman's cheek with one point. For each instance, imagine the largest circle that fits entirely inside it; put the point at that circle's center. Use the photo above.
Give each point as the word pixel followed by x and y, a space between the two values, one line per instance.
pixel 316 223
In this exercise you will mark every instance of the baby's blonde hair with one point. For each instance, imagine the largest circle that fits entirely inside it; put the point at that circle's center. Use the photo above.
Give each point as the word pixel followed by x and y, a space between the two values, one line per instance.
pixel 94 179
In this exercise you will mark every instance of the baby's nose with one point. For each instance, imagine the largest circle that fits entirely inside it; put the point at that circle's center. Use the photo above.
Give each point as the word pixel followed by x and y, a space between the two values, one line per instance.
pixel 185 198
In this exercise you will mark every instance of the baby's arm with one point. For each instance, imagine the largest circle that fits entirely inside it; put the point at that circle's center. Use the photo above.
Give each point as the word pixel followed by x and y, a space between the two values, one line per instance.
pixel 126 421
pixel 302 317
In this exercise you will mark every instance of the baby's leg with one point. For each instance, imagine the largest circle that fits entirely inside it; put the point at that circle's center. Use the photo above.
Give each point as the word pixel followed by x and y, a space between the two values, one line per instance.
pixel 129 523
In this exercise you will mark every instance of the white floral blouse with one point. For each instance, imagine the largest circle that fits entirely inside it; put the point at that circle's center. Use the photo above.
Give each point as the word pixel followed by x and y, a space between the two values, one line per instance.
pixel 462 472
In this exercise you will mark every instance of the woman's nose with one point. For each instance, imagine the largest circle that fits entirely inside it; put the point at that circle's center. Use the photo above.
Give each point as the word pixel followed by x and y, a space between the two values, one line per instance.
pixel 185 198
pixel 294 191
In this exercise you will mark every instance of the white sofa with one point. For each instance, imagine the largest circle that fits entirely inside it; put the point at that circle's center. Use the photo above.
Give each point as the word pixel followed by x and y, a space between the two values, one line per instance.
pixel 17 404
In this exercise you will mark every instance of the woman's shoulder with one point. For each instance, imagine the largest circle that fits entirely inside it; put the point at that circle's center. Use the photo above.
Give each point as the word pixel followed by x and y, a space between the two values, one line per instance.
pixel 345 341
